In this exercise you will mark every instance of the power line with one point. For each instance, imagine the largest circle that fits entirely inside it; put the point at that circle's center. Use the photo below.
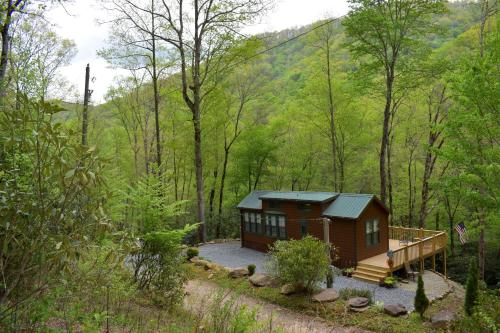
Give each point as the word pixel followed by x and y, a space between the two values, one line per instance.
pixel 276 46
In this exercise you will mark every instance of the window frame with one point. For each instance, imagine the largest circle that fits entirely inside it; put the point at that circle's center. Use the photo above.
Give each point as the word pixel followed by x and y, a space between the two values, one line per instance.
pixel 372 232
pixel 273 228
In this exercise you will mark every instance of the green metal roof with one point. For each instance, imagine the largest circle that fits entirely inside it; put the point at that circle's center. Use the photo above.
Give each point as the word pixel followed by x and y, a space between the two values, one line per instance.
pixel 348 205
pixel 299 196
pixel 252 200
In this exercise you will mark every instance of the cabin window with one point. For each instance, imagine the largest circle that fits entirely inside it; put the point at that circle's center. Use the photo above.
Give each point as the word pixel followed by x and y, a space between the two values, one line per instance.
pixel 303 228
pixel 275 226
pixel 253 222
pixel 246 219
pixel 304 207
pixel 372 232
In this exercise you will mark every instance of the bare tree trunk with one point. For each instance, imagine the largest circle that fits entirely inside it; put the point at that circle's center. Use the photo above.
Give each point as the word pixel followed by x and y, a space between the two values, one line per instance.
pixel 211 195
pixel 155 89
pixel 331 109
pixel 385 135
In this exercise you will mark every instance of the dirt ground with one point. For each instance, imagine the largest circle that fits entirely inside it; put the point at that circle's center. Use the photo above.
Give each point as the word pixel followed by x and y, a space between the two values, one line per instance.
pixel 200 293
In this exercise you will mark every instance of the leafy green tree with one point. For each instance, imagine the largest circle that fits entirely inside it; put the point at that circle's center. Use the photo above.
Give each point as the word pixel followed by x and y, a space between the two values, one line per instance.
pixel 421 300
pixel 302 263
pixel 387 35
pixel 472 287
pixel 50 202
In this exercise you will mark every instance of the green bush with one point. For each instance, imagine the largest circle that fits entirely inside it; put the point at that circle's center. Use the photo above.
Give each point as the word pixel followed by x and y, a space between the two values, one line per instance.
pixel 472 287
pixel 347 293
pixel 390 282
pixel 192 252
pixel 302 263
pixel 421 300
pixel 329 279
pixel 251 269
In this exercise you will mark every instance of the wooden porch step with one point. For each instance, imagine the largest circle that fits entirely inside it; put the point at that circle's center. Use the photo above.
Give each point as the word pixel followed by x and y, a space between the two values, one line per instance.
pixel 369 271
pixel 366 278
pixel 373 269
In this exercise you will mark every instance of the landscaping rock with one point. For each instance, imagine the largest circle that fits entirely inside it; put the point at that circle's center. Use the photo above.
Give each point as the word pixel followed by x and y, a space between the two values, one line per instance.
pixel 194 259
pixel 395 310
pixel 238 272
pixel 210 266
pixel 443 318
pixel 358 302
pixel 363 309
pixel 288 289
pixel 326 295
pixel 261 280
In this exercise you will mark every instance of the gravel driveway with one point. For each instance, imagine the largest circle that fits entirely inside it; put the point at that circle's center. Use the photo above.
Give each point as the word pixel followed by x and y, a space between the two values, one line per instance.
pixel 231 254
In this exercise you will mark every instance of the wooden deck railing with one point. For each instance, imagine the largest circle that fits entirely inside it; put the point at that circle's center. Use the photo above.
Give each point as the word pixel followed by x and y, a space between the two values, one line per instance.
pixel 418 244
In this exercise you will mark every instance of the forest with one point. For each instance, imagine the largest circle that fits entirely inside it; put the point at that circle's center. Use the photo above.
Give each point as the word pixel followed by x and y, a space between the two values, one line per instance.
pixel 396 98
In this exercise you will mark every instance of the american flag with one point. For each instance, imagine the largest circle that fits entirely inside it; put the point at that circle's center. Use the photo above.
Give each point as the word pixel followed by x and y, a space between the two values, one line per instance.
pixel 462 232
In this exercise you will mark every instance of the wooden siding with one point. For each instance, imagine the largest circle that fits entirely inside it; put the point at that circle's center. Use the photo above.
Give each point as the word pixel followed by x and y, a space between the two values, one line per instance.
pixel 373 211
pixel 342 235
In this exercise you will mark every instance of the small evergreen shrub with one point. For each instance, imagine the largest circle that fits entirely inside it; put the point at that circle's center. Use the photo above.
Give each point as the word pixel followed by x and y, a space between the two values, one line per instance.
pixel 192 252
pixel 421 300
pixel 472 287
pixel 390 282
pixel 329 279
pixel 346 293
pixel 251 269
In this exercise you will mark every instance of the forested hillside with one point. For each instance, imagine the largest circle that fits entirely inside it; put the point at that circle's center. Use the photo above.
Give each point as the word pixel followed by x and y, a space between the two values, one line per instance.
pixel 406 109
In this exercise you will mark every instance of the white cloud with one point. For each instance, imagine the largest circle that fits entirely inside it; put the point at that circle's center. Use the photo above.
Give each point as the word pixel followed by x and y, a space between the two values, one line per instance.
pixel 78 21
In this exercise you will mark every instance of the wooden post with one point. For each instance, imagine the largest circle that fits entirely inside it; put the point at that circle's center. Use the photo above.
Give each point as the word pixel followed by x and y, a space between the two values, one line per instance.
pixel 444 254
pixel 406 253
pixel 326 236
pixel 433 254
pixel 421 249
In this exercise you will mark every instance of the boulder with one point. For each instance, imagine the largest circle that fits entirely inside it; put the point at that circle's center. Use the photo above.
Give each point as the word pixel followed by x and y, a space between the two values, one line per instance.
pixel 288 289
pixel 200 262
pixel 261 280
pixel 211 266
pixel 443 318
pixel 358 302
pixel 395 310
pixel 362 309
pixel 326 295
pixel 238 272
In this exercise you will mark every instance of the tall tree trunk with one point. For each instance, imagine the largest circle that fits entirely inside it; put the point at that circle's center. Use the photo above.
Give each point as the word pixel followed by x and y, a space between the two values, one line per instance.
pixel 481 246
pixel 385 136
pixel 331 109
pixel 4 56
pixel 155 90
pixel 211 195
pixel 223 180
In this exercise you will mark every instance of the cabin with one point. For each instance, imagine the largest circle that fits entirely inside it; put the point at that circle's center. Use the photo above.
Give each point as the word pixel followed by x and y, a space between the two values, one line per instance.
pixel 357 224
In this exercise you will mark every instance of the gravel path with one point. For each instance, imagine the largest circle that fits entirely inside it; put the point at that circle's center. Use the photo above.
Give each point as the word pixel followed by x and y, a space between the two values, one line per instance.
pixel 231 254
pixel 200 294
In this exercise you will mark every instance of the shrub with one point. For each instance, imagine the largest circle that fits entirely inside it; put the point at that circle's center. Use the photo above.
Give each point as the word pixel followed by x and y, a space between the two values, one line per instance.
pixel 472 287
pixel 302 263
pixel 421 300
pixel 251 269
pixel 347 293
pixel 390 282
pixel 192 252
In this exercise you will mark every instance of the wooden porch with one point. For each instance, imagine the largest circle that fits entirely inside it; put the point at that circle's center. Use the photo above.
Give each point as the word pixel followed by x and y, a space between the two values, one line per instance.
pixel 408 245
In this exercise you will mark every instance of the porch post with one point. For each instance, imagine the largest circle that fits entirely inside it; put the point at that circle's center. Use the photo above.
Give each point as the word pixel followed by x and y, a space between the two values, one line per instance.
pixel 434 254
pixel 421 249
pixel 326 236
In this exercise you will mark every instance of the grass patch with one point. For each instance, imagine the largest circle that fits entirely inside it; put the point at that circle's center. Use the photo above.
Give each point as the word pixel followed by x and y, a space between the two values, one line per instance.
pixel 373 319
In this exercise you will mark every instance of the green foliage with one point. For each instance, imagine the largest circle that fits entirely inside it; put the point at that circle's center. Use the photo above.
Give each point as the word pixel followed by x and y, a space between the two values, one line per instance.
pixel 50 201
pixel 472 287
pixel 251 269
pixel 303 263
pixel 157 265
pixel 346 293
pixel 329 279
pixel 192 252
pixel 421 301
pixel 390 281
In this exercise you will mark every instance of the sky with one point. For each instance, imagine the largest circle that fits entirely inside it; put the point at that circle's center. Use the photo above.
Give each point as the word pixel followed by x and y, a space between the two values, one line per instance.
pixel 78 21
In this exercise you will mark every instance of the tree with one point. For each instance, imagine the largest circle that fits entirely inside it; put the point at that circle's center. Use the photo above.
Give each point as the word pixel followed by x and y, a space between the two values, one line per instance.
pixel 134 45
pixel 472 286
pixel 388 32
pixel 472 133
pixel 421 300
pixel 201 34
